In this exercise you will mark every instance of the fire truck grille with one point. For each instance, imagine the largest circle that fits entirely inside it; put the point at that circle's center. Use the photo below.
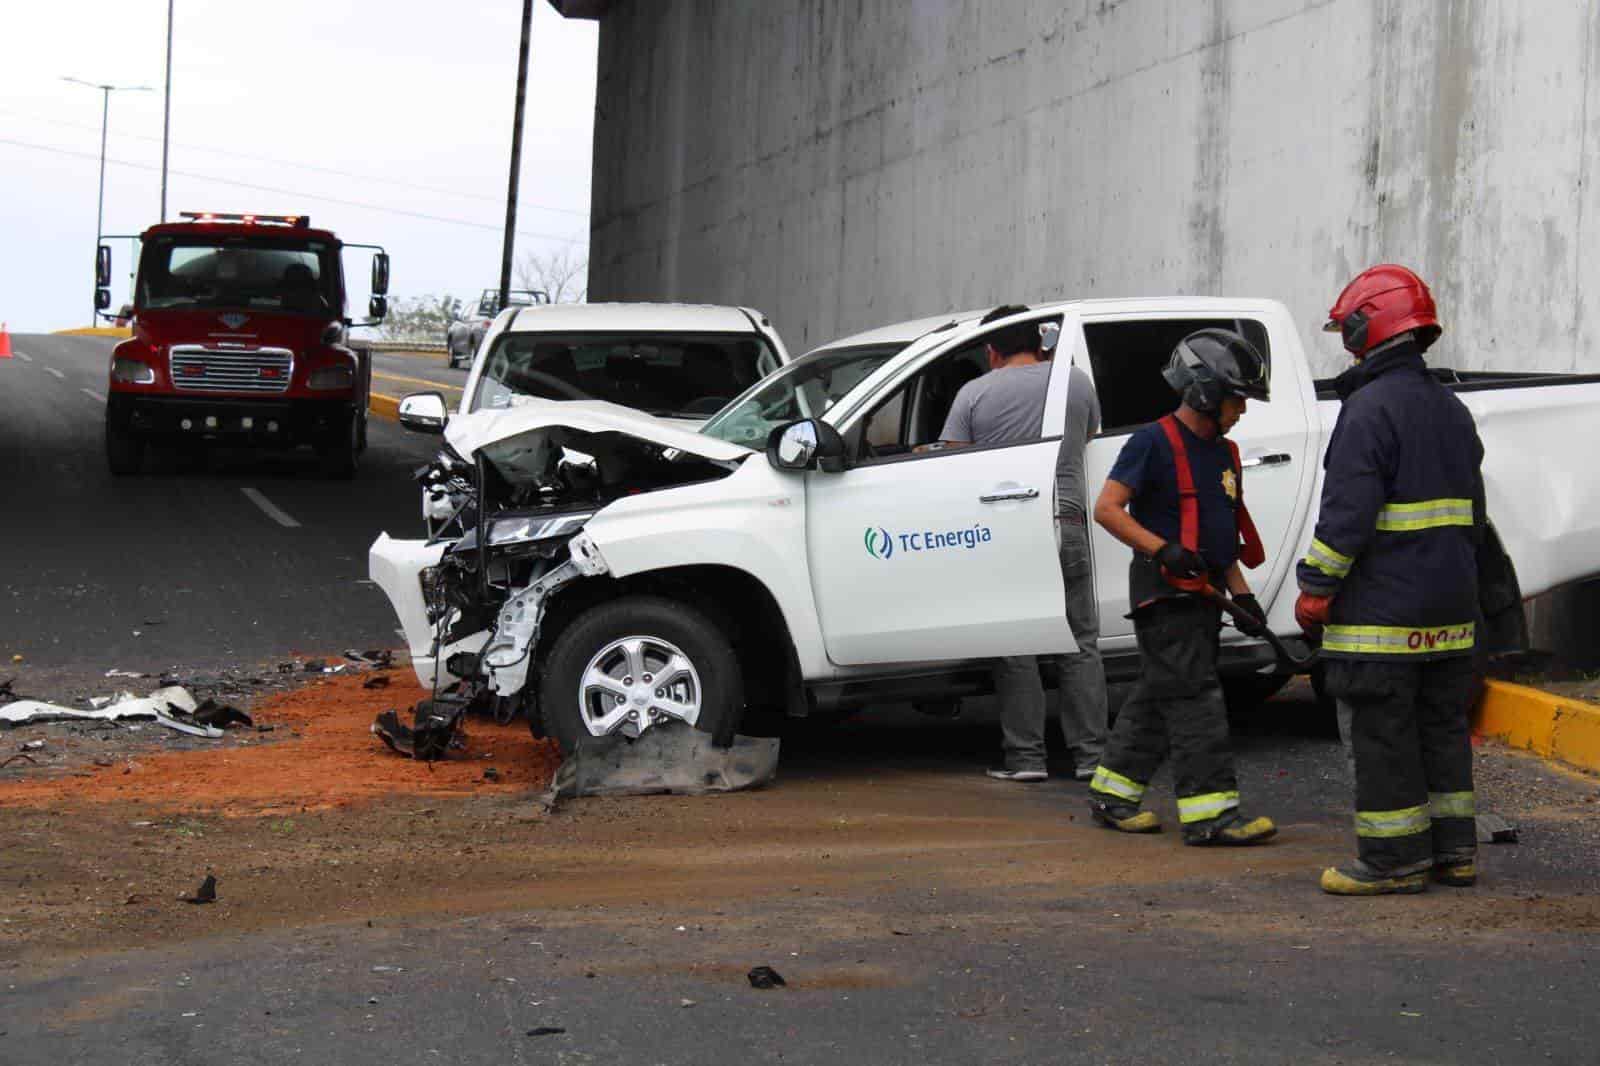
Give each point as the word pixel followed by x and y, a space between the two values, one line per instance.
pixel 209 370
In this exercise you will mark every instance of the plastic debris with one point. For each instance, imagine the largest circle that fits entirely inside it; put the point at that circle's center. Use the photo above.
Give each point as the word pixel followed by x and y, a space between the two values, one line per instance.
pixel 675 758
pixel 546 1030
pixel 376 681
pixel 1493 829
pixel 122 673
pixel 427 738
pixel 218 715
pixel 766 977
pixel 167 706
pixel 206 893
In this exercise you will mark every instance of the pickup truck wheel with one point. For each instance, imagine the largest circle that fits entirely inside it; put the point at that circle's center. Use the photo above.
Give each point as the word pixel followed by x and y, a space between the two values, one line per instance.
pixel 124 451
pixel 340 454
pixel 627 665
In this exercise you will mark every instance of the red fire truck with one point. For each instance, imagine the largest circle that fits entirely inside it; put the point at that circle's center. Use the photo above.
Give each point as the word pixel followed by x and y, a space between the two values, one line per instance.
pixel 240 337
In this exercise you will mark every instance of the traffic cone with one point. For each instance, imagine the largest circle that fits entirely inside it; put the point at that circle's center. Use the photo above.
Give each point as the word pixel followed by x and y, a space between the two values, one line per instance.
pixel 5 342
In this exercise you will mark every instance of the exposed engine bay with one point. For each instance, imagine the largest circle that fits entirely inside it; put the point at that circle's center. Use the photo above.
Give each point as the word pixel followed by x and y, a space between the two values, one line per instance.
pixel 505 533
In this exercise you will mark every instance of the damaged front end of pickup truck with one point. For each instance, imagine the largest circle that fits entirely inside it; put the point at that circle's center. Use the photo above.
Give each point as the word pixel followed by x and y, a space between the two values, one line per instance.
pixel 507 502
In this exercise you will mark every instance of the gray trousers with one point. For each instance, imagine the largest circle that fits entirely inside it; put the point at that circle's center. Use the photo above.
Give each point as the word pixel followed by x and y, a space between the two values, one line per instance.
pixel 1082 695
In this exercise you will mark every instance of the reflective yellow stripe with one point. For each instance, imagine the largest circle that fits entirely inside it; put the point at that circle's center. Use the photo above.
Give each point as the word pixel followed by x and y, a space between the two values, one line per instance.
pixel 1402 823
pixel 1451 805
pixel 1397 640
pixel 1209 805
pixel 1424 514
pixel 1330 562
pixel 1115 784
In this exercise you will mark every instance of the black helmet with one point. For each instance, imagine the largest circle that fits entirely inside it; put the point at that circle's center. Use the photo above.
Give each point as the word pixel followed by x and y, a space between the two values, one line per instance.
pixel 1212 363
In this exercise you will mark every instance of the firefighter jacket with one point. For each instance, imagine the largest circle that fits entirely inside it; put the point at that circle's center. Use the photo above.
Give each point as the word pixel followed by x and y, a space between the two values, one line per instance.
pixel 1402 514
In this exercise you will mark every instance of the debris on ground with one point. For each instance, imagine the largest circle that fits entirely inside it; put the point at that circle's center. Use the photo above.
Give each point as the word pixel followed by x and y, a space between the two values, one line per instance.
pixel 378 658
pixel 24 756
pixel 6 694
pixel 220 715
pixel 170 707
pixel 433 729
pixel 376 681
pixel 114 672
pixel 766 977
pixel 206 893
pixel 314 666
pixel 546 1030
pixel 675 758
pixel 491 774
pixel 1493 829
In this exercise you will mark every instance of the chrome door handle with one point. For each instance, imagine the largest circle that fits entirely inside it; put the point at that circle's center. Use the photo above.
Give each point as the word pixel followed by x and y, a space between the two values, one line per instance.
pixel 1019 494
pixel 1273 459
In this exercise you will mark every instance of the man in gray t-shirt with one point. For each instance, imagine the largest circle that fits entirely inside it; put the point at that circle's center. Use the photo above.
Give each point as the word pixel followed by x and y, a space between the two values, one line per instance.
pixel 1006 405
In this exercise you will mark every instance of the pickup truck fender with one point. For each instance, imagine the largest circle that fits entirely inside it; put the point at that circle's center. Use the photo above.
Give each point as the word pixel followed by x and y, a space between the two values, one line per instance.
pixel 752 521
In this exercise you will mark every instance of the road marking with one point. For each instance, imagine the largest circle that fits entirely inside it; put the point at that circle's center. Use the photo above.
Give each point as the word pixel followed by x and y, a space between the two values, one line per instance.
pixel 93 395
pixel 25 357
pixel 52 370
pixel 270 509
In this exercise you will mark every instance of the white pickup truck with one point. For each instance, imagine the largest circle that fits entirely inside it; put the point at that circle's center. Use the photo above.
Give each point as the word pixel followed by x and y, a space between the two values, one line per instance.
pixel 610 570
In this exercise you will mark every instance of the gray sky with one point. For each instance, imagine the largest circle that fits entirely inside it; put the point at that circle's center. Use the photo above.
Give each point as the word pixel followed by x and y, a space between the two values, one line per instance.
pixel 397 95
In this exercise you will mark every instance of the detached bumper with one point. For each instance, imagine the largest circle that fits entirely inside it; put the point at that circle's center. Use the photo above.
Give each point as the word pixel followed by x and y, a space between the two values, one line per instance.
pixel 240 420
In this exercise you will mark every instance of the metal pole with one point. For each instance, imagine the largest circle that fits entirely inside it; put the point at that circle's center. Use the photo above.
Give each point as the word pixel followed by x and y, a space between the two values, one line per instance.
pixel 100 207
pixel 516 157
pixel 166 115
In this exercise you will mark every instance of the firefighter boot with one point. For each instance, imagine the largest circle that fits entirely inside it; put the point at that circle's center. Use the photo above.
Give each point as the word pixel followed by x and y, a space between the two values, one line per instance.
pixel 1456 874
pixel 1123 817
pixel 1234 831
pixel 1359 879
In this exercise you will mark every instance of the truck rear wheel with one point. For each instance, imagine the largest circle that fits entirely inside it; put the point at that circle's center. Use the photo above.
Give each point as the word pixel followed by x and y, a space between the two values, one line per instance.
pixel 124 450
pixel 637 663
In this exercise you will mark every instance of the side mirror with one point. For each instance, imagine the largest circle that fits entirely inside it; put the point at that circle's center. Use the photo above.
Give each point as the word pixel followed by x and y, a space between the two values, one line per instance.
pixel 811 444
pixel 424 412
pixel 102 266
pixel 377 308
pixel 102 299
pixel 380 274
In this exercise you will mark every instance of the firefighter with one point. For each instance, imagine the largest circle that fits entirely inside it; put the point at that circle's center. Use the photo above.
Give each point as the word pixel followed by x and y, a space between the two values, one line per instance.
pixel 1175 497
pixel 1391 586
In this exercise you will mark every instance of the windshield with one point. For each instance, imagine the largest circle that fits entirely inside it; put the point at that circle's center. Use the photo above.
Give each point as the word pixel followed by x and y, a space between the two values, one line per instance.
pixel 671 375
pixel 296 276
pixel 489 302
pixel 806 388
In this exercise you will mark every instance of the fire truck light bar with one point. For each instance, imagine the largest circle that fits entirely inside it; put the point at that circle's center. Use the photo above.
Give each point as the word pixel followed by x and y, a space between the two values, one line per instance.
pixel 298 221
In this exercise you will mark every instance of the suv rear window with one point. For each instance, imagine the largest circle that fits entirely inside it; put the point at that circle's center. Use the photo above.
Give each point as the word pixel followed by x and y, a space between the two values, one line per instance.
pixel 1128 357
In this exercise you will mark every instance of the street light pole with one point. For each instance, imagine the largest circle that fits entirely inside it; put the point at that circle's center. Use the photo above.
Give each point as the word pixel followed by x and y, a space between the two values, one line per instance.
pixel 516 157
pixel 105 121
pixel 166 115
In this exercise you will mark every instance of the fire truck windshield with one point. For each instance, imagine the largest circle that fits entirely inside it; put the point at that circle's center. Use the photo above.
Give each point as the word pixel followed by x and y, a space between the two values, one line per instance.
pixel 263 274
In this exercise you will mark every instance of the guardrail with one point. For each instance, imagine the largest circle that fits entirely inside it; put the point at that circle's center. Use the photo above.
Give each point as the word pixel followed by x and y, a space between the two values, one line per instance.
pixel 398 346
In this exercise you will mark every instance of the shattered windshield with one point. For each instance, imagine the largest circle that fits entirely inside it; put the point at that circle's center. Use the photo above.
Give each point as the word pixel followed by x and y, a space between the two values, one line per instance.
pixel 806 388
pixel 672 375
pixel 294 275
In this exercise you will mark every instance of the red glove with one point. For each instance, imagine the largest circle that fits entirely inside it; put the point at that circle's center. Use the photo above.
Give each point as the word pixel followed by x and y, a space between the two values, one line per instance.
pixel 1311 612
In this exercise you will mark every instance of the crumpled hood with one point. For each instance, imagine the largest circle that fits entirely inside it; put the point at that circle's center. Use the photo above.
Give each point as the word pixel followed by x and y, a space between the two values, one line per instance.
pixel 467 433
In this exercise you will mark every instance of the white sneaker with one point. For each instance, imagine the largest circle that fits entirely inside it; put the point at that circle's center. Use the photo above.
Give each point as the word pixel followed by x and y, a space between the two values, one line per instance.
pixel 1018 775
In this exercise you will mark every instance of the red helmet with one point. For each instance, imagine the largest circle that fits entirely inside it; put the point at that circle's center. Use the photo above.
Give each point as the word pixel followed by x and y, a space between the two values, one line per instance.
pixel 1383 302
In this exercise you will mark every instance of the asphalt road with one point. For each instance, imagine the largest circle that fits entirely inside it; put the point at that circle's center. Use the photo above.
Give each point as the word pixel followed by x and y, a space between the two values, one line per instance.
pixel 398 374
pixel 1058 944
pixel 188 568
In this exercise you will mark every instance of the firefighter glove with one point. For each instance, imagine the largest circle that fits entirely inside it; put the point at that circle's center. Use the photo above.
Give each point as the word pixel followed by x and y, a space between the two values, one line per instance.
pixel 1311 612
pixel 1256 624
pixel 1176 561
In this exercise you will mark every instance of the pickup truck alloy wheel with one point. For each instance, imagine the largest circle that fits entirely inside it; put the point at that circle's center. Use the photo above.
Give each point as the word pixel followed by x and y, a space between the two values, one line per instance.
pixel 665 659
pixel 633 683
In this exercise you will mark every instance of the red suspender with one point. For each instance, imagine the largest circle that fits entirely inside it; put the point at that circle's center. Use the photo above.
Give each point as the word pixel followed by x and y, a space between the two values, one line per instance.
pixel 1251 553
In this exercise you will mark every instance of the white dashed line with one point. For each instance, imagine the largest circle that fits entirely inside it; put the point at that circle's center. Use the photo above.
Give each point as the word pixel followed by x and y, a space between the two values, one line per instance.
pixel 93 395
pixel 58 374
pixel 25 357
pixel 270 509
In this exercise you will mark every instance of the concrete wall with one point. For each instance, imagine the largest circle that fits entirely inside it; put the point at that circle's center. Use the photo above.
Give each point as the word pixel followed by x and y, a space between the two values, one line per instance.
pixel 845 163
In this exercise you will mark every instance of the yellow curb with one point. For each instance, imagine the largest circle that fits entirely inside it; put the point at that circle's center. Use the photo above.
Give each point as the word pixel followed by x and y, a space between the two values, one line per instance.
pixel 406 353
pixel 96 331
pixel 432 386
pixel 384 406
pixel 1541 722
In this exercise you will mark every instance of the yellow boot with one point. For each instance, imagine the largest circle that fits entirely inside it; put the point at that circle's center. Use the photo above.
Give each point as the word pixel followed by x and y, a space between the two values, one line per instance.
pixel 1456 874
pixel 1122 817
pixel 1358 879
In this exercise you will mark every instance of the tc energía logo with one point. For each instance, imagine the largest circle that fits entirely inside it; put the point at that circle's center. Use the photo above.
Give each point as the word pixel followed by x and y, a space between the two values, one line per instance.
pixel 881 544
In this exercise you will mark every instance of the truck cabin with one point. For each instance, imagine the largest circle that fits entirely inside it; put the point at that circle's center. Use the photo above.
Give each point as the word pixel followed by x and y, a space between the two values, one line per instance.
pixel 257 263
